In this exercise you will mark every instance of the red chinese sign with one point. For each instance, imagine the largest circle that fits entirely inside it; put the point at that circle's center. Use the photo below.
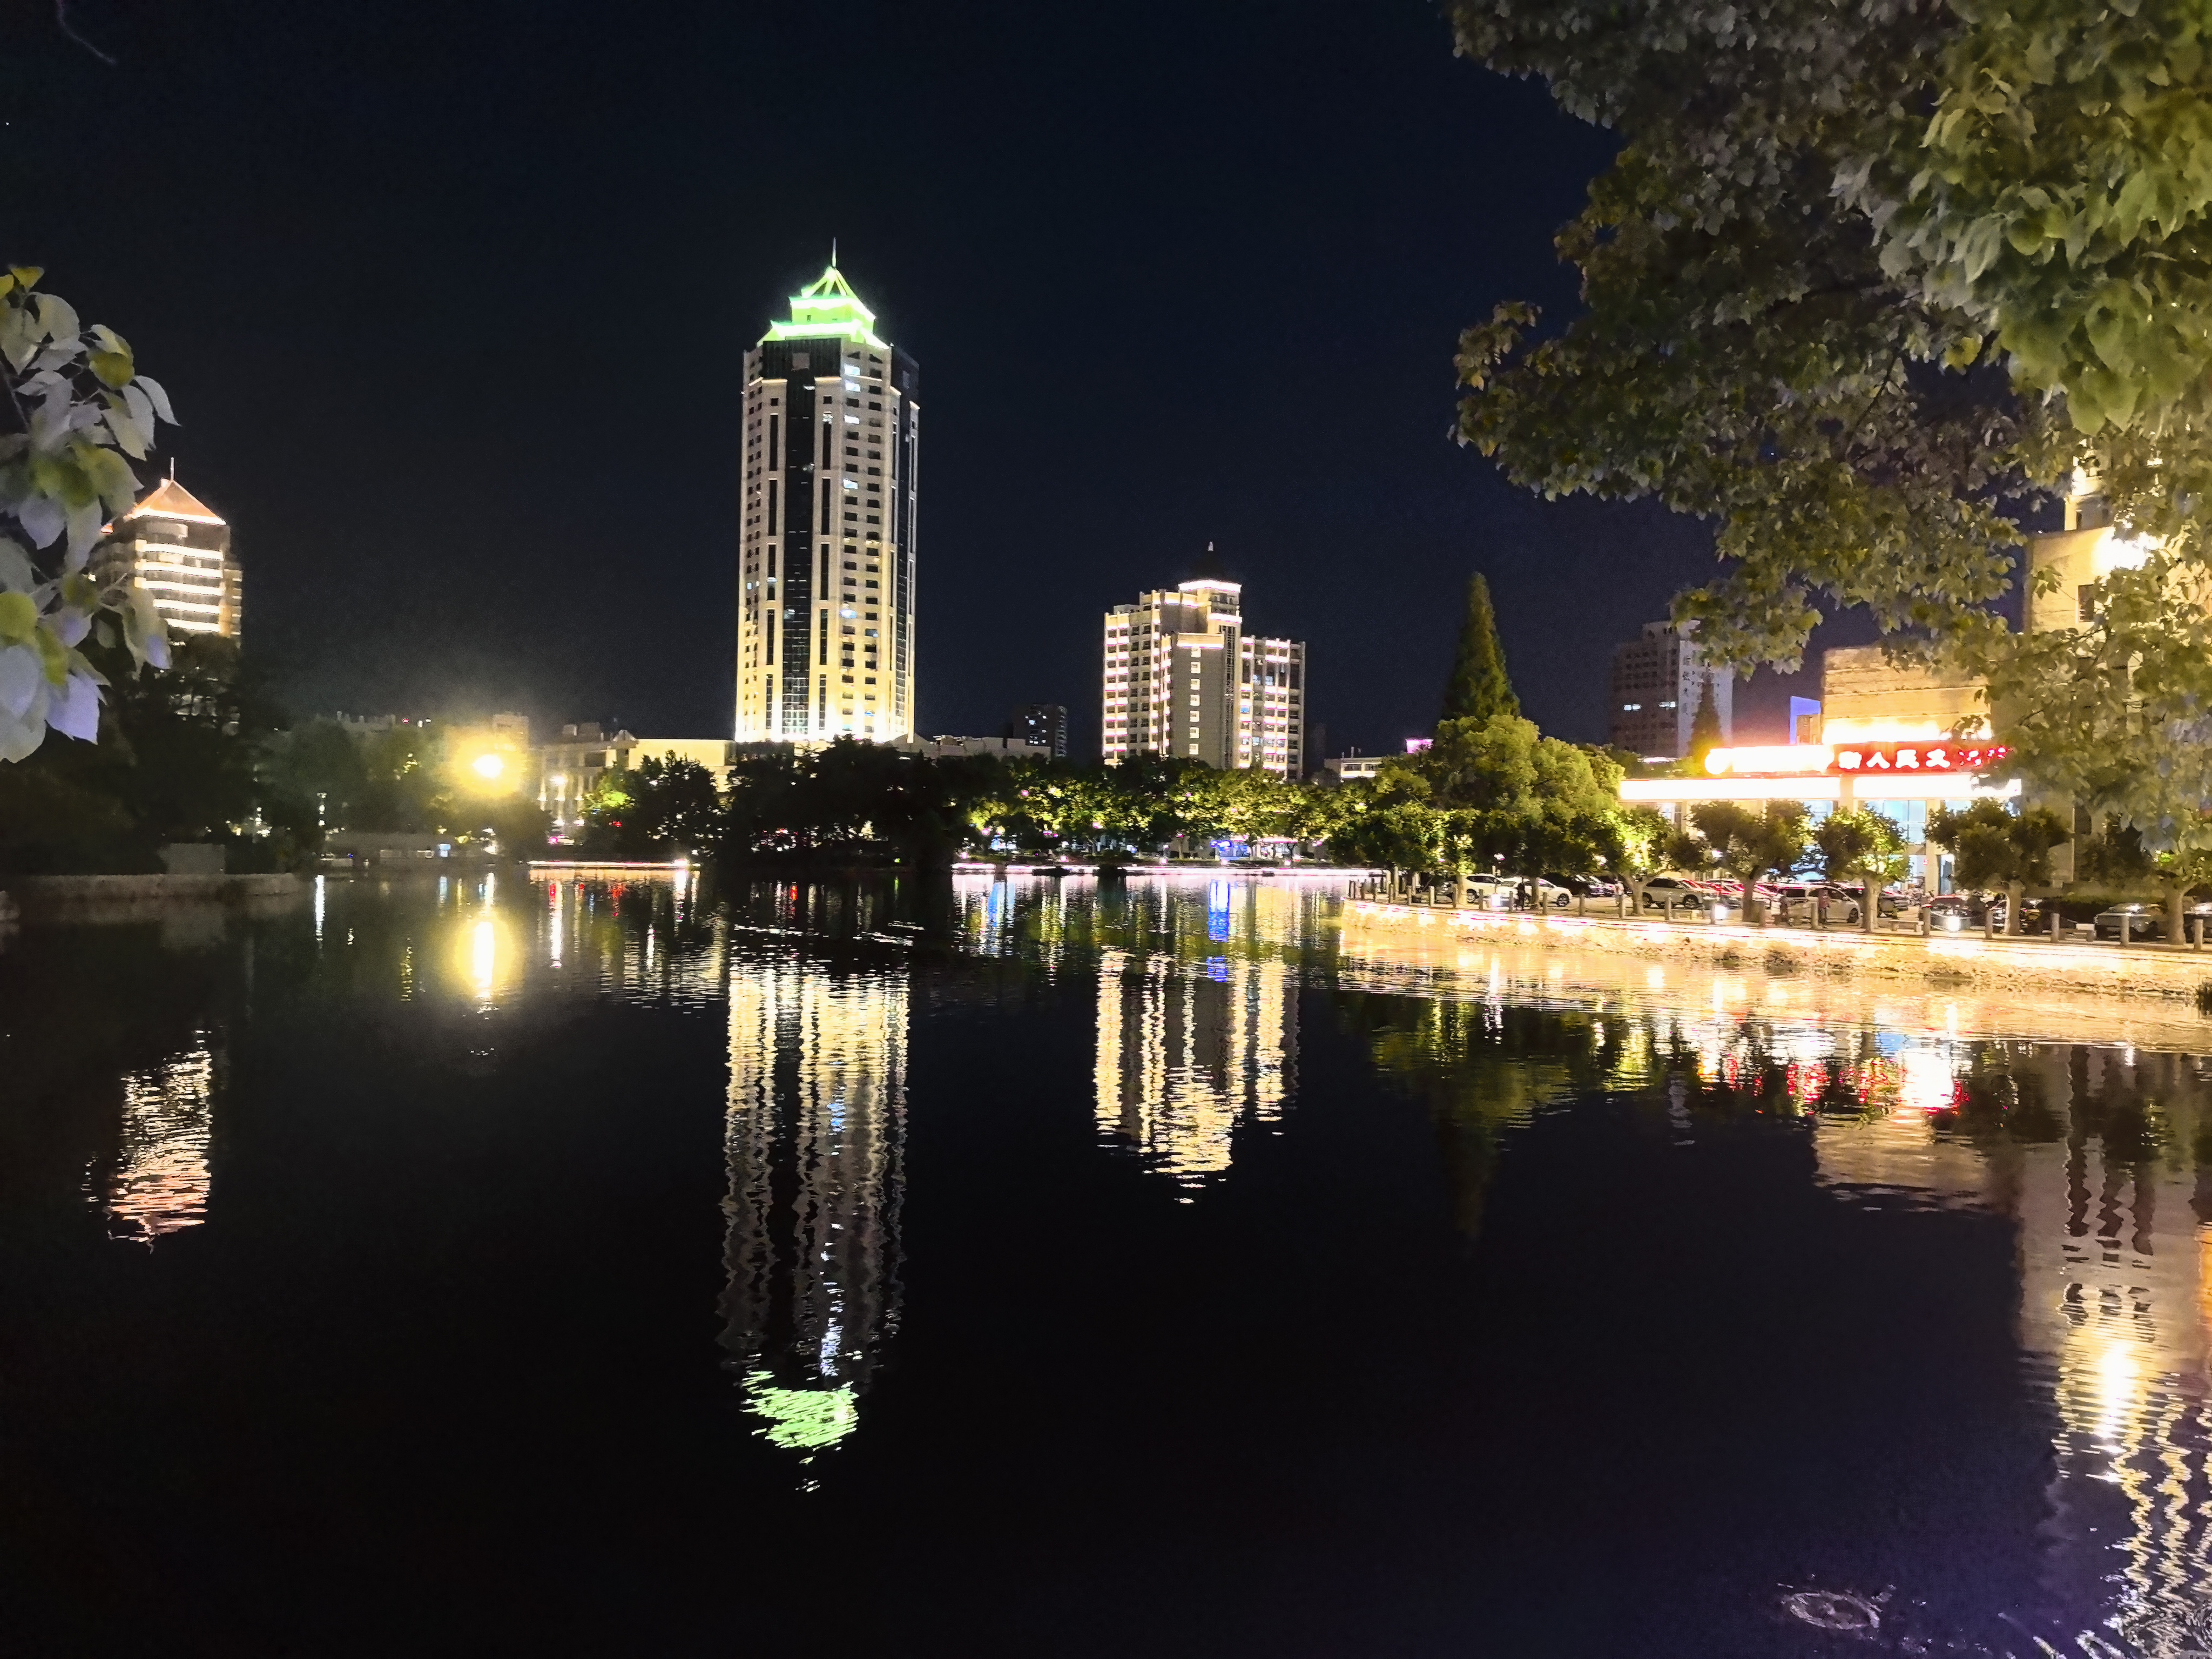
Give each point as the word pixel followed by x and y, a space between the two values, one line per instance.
pixel 1967 758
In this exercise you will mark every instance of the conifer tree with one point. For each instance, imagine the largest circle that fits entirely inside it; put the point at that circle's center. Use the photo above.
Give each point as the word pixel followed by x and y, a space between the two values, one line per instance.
pixel 1706 726
pixel 1479 689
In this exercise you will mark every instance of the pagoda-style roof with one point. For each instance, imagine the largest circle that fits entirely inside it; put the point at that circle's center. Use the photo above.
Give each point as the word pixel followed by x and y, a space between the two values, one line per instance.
pixel 172 500
pixel 827 309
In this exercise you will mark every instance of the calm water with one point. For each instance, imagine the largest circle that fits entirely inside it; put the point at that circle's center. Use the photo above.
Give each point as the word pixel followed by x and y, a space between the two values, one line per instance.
pixel 618 1267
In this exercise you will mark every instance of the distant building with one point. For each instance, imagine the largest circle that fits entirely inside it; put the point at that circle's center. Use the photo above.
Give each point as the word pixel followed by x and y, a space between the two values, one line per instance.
pixel 1657 680
pixel 1040 722
pixel 1345 768
pixel 569 772
pixel 1181 677
pixel 1865 697
pixel 825 590
pixel 1804 720
pixel 175 547
pixel 1009 748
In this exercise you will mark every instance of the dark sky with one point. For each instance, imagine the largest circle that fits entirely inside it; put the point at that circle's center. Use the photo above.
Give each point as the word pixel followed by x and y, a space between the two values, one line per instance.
pixel 454 300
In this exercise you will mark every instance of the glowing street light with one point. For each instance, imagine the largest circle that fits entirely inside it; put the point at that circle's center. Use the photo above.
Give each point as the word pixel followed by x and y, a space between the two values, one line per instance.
pixel 489 765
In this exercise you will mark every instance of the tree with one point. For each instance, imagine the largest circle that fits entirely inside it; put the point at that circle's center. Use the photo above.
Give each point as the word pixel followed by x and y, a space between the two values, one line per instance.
pixel 1706 726
pixel 1749 844
pixel 179 758
pixel 1645 845
pixel 1995 847
pixel 75 406
pixel 1861 282
pixel 1479 689
pixel 1516 799
pixel 1861 845
pixel 675 803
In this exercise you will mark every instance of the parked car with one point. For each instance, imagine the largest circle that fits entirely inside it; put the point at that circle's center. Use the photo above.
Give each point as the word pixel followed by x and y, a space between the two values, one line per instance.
pixel 2149 921
pixel 1678 890
pixel 1587 887
pixel 1800 900
pixel 1953 913
pixel 1541 895
pixel 2031 914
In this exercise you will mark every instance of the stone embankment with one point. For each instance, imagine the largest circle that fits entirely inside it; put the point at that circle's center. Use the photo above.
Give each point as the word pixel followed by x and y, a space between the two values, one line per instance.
pixel 124 898
pixel 1961 982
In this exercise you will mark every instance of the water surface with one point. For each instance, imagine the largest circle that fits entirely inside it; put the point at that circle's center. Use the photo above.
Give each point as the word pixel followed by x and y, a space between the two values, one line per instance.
pixel 612 1265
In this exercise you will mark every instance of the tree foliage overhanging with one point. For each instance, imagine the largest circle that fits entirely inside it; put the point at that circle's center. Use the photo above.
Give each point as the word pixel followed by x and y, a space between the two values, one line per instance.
pixel 1866 280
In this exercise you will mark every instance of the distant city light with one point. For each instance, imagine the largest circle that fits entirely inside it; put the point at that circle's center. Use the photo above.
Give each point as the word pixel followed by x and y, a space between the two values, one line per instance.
pixel 489 765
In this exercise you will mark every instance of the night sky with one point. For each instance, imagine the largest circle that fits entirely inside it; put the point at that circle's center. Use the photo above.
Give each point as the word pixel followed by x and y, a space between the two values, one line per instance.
pixel 453 301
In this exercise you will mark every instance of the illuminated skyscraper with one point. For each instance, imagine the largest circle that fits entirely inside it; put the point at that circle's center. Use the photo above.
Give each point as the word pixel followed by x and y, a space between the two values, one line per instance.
pixel 816 1138
pixel 178 551
pixel 1182 677
pixel 825 594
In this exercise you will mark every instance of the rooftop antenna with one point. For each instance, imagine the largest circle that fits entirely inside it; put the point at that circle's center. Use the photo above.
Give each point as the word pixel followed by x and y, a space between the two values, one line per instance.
pixel 833 254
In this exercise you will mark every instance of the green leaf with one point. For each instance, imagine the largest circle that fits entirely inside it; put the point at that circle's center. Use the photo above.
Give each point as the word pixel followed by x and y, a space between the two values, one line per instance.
pixel 19 617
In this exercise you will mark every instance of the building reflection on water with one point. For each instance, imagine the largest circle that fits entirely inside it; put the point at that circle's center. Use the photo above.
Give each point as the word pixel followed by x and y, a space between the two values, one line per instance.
pixel 157 1180
pixel 815 1138
pixel 2102 1159
pixel 1186 1052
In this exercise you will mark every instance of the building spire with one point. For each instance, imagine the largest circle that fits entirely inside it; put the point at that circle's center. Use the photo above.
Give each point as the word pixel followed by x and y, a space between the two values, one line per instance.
pixel 833 254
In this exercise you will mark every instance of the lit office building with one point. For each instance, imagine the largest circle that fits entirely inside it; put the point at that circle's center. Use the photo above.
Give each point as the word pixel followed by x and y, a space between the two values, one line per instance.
pixel 179 552
pixel 816 1138
pixel 825 611
pixel 1657 680
pixel 1183 679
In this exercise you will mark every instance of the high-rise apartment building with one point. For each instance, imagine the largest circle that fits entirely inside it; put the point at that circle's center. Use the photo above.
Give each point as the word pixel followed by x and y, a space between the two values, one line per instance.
pixel 1183 679
pixel 178 551
pixel 1043 723
pixel 825 588
pixel 1657 680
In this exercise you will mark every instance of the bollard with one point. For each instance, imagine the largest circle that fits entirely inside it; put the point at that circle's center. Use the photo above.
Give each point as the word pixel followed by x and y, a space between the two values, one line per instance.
pixel 2054 927
pixel 2127 927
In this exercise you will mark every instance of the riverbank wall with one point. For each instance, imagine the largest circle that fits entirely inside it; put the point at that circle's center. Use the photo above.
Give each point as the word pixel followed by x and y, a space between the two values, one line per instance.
pixel 1960 983
pixel 136 897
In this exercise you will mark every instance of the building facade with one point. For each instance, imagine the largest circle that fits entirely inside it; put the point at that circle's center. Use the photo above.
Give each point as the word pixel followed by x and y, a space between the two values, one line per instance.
pixel 1040 722
pixel 1657 680
pixel 568 771
pixel 175 547
pixel 1181 677
pixel 825 587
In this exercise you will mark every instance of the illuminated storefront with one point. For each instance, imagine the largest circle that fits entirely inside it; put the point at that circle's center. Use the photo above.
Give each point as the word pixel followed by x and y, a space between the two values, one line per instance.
pixel 1902 779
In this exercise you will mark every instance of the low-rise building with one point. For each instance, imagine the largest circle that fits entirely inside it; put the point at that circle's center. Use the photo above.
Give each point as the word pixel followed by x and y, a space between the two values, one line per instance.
pixel 569 771
pixel 1006 748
